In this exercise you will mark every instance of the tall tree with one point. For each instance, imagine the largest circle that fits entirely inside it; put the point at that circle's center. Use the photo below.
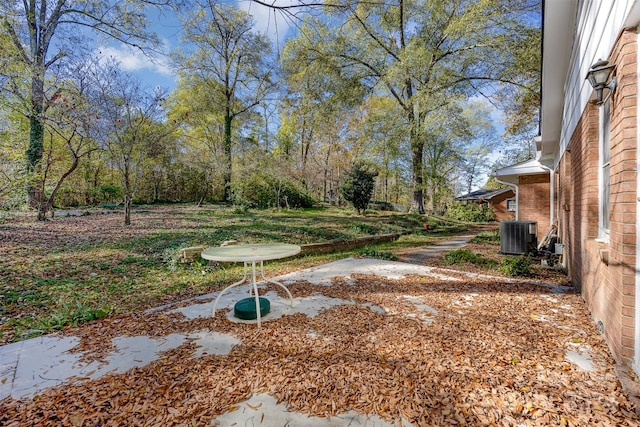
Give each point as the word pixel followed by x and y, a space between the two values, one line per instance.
pixel 197 110
pixel 231 59
pixel 128 124
pixel 317 110
pixel 68 134
pixel 43 34
pixel 387 144
pixel 483 139
pixel 520 100
pixel 422 53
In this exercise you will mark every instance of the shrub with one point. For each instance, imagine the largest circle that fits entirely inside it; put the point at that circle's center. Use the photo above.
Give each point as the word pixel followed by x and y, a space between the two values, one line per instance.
pixel 362 228
pixel 259 191
pixel 487 237
pixel 373 253
pixel 462 256
pixel 470 212
pixel 515 266
pixel 359 185
pixel 106 193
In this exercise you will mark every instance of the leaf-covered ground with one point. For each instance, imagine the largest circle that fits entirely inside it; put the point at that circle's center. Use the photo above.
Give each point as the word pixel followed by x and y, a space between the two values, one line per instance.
pixel 484 353
pixel 74 269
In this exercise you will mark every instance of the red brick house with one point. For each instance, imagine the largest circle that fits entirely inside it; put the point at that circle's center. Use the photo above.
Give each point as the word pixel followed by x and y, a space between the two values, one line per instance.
pixel 501 201
pixel 530 183
pixel 589 142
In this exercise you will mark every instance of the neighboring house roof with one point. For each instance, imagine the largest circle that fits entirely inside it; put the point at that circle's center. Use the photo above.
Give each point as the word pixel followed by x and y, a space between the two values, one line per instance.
pixel 510 174
pixel 484 195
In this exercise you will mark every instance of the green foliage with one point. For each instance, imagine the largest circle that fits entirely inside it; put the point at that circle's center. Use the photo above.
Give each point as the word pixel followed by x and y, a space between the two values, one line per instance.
pixel 470 212
pixel 373 253
pixel 71 313
pixel 107 193
pixel 487 237
pixel 362 228
pixel 259 191
pixel 515 266
pixel 359 184
pixel 462 256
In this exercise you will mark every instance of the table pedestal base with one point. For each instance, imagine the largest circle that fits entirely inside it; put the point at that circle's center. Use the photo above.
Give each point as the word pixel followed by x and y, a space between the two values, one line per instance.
pixel 254 289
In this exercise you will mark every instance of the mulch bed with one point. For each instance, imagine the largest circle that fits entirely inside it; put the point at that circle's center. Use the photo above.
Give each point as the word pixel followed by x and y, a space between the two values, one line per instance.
pixel 489 353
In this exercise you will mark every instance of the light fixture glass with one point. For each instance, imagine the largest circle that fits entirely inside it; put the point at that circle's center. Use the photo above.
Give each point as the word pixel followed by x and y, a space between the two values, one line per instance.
pixel 598 77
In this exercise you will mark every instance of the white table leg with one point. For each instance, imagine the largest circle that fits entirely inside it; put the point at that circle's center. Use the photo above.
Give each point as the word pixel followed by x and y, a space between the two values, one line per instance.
pixel 239 282
pixel 255 291
pixel 275 283
pixel 254 288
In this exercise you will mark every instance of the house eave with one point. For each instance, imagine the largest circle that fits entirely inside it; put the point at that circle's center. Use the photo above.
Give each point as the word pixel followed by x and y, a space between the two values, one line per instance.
pixel 557 38
pixel 511 174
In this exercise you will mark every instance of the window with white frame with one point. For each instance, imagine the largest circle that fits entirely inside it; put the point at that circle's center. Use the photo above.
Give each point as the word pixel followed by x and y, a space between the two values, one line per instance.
pixel 511 205
pixel 604 171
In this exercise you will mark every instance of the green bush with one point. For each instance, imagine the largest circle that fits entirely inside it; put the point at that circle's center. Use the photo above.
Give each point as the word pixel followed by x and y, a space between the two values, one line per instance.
pixel 373 253
pixel 470 212
pixel 487 237
pixel 261 192
pixel 515 266
pixel 359 184
pixel 362 228
pixel 462 256
pixel 106 193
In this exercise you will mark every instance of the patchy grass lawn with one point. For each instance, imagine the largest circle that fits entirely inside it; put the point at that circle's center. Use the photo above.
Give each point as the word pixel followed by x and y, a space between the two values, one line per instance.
pixel 75 269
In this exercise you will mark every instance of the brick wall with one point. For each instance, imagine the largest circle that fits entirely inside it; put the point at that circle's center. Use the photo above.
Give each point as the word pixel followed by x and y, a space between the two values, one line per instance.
pixel 622 250
pixel 564 204
pixel 499 206
pixel 604 272
pixel 533 196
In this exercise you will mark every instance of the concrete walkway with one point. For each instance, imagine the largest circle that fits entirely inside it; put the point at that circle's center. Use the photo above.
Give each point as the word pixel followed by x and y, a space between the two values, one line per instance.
pixel 419 257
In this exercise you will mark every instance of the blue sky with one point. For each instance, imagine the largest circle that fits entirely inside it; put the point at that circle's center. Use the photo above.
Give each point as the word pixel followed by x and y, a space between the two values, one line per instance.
pixel 156 70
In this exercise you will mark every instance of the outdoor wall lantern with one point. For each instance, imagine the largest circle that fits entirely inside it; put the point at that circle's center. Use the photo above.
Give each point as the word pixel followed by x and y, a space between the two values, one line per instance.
pixel 598 77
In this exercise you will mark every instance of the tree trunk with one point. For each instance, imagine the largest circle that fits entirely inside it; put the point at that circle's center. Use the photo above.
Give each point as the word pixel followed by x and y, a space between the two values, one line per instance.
pixel 127 209
pixel 417 150
pixel 205 191
pixel 326 174
pixel 227 153
pixel 36 140
pixel 46 205
pixel 127 195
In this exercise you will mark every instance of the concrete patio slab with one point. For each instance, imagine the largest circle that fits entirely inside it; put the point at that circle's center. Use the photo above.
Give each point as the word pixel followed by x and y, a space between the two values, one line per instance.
pixel 30 367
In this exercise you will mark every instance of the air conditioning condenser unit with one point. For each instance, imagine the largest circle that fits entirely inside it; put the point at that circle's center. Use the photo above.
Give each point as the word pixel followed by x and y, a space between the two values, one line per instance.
pixel 518 237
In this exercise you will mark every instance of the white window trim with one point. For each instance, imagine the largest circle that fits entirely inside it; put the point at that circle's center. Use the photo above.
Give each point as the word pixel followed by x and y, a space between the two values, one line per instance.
pixel 515 206
pixel 603 231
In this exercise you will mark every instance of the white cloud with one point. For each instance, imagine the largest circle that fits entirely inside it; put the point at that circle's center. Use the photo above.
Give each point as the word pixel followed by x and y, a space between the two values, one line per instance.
pixel 272 23
pixel 134 60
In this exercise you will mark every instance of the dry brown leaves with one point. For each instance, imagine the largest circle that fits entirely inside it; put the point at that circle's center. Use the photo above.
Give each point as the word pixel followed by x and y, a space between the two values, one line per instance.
pixel 28 237
pixel 493 354
pixel 491 252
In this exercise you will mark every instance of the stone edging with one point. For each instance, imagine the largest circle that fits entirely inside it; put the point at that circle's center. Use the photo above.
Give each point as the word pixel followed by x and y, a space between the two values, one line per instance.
pixel 193 253
pixel 341 245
